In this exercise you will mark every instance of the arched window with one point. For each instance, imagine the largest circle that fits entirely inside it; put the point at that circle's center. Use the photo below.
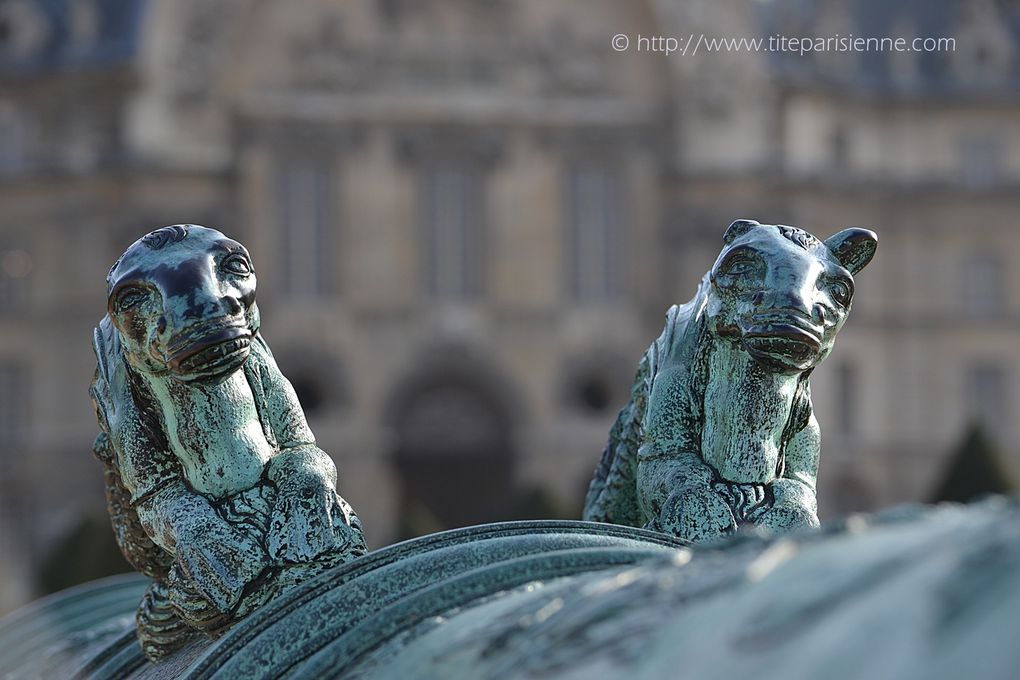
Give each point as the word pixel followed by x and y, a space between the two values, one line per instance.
pixel 317 376
pixel 596 383
pixel 453 453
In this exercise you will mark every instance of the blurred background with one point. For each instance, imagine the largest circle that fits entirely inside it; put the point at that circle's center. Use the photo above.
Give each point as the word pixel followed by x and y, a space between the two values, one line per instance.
pixel 468 218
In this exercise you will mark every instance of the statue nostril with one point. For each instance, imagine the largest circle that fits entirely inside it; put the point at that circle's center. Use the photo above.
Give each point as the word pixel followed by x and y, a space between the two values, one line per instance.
pixel 161 325
pixel 232 305
pixel 818 313
pixel 758 297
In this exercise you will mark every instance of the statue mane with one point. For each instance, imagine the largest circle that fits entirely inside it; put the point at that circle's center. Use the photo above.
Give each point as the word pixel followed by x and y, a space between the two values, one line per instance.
pixel 159 238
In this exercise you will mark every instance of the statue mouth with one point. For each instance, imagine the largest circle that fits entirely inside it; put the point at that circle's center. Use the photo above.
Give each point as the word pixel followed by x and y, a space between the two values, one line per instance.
pixel 217 353
pixel 786 339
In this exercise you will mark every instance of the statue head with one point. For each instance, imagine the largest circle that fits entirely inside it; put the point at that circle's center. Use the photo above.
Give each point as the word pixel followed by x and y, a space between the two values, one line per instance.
pixel 782 293
pixel 182 299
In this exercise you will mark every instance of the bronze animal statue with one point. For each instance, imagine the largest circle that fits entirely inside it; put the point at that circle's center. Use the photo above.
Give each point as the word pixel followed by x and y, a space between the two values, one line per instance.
pixel 216 488
pixel 719 431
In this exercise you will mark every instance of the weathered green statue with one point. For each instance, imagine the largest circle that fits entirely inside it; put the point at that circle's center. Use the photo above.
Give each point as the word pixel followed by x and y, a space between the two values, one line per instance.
pixel 719 431
pixel 216 488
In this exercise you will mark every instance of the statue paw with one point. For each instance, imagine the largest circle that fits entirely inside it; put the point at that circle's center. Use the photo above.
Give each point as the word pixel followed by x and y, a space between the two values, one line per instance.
pixel 301 526
pixel 794 507
pixel 695 513
pixel 786 518
pixel 215 563
pixel 162 629
pixel 195 608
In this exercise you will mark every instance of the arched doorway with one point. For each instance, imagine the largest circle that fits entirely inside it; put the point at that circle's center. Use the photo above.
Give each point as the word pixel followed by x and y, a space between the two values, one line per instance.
pixel 453 454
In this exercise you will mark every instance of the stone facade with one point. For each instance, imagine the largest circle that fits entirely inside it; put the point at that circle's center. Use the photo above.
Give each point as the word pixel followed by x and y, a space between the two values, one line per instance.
pixel 477 213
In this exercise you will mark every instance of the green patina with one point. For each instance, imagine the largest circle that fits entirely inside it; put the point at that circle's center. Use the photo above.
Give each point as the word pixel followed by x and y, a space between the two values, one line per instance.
pixel 216 487
pixel 930 591
pixel 719 431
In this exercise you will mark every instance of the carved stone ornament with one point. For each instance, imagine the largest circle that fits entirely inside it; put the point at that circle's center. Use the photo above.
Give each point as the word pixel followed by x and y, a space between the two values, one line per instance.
pixel 719 431
pixel 215 486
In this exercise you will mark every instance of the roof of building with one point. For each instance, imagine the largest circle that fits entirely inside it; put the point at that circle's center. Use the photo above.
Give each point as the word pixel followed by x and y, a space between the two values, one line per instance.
pixel 53 35
pixel 986 32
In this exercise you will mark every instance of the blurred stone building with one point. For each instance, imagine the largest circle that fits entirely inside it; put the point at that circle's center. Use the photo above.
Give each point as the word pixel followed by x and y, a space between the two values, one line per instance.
pixel 469 216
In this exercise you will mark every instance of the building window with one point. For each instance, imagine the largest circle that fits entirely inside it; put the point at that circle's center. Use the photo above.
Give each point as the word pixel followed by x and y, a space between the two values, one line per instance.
pixel 983 284
pixel 12 141
pixel 15 268
pixel 84 24
pixel 453 229
pixel 593 203
pixel 981 160
pixel 847 399
pixel 24 29
pixel 317 376
pixel 306 198
pixel 595 382
pixel 839 147
pixel 14 398
pixel 987 395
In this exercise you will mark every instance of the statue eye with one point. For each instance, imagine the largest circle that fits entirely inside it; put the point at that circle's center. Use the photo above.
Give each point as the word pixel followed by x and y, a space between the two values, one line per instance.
pixel 841 292
pixel 740 266
pixel 129 298
pixel 236 264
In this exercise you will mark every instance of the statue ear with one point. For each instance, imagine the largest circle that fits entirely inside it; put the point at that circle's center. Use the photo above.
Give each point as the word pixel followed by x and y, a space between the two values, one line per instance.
pixel 853 247
pixel 737 229
pixel 106 346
